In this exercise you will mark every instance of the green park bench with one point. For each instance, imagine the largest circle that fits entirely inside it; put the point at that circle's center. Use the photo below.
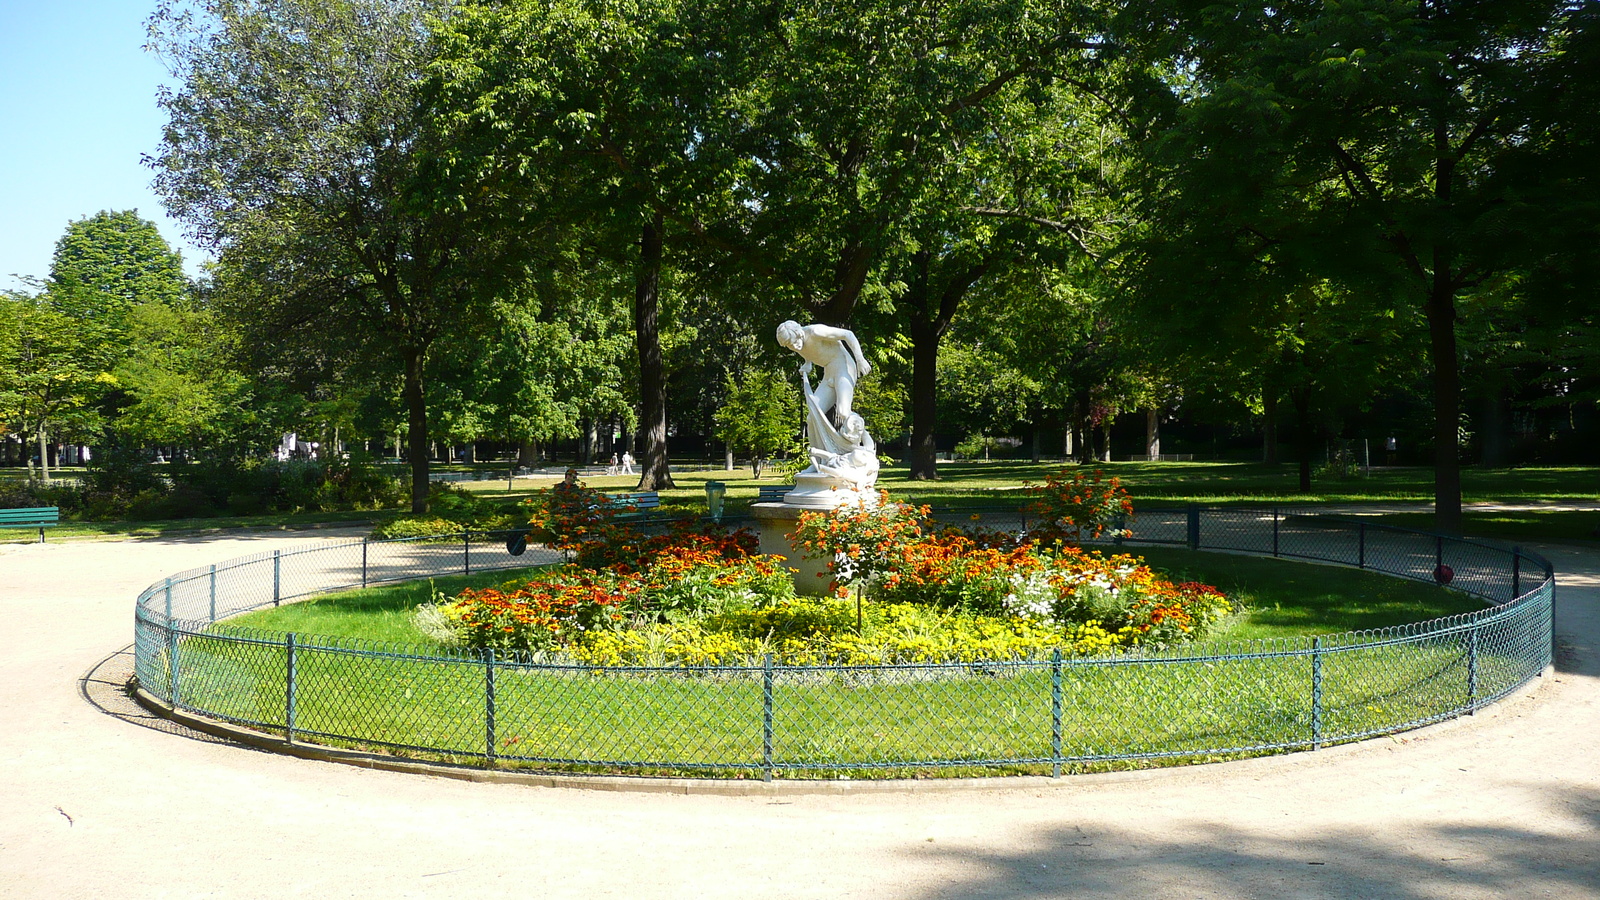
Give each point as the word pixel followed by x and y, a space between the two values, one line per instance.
pixel 634 505
pixel 773 493
pixel 40 517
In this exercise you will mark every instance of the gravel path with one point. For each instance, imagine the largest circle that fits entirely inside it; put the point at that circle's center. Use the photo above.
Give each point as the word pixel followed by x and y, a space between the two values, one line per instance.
pixel 1502 804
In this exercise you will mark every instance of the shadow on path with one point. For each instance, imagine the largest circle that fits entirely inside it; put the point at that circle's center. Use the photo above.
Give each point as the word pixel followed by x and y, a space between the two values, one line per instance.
pixel 1221 860
pixel 107 686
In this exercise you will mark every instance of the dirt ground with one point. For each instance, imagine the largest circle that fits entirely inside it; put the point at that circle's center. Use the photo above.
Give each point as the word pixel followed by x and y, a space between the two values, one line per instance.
pixel 98 799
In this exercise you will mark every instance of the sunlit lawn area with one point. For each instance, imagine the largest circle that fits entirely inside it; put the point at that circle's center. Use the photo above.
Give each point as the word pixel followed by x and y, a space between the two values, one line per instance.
pixel 977 483
pixel 970 484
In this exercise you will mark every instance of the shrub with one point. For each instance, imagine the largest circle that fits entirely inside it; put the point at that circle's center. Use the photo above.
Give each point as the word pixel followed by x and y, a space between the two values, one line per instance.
pixel 675 576
pixel 576 520
pixel 28 494
pixel 864 542
pixel 179 502
pixel 416 528
pixel 535 615
pixel 1077 506
pixel 822 631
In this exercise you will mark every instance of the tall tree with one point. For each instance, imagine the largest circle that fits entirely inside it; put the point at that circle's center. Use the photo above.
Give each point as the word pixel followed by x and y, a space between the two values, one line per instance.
pixel 1362 139
pixel 307 144
pixel 617 98
pixel 108 263
pixel 52 369
pixel 900 147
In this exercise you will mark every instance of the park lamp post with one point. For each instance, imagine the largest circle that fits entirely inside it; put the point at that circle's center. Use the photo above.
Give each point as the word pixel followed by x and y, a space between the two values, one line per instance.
pixel 715 491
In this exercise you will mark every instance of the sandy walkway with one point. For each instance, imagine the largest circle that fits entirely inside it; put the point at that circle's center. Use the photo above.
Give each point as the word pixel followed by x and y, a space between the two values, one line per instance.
pixel 1504 804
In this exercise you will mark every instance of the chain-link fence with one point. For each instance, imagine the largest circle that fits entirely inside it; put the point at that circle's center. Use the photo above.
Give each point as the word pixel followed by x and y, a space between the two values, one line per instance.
pixel 1207 701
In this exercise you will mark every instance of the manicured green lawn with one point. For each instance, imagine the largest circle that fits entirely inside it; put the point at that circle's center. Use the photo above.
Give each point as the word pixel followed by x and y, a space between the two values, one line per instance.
pixel 380 613
pixel 1565 525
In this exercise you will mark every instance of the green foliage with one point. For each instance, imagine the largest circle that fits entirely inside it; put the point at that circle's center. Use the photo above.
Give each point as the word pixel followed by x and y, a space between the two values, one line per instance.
pixel 863 543
pixel 760 416
pixel 413 528
pixel 979 393
pixel 107 264
pixel 28 494
pixel 1076 506
pixel 289 116
pixel 52 368
pixel 1372 154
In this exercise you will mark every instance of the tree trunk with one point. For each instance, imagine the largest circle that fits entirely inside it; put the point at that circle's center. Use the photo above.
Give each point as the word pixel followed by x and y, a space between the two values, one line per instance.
pixel 1083 429
pixel 527 454
pixel 1269 427
pixel 653 472
pixel 469 452
pixel 727 458
pixel 44 456
pixel 1302 436
pixel 587 436
pixel 1152 434
pixel 1105 441
pixel 1066 439
pixel 924 455
pixel 416 427
pixel 1446 408
pixel 1494 428
pixel 1034 440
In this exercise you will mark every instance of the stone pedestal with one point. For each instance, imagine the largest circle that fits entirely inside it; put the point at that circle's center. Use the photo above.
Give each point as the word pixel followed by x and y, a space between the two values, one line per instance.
pixel 774 523
pixel 816 491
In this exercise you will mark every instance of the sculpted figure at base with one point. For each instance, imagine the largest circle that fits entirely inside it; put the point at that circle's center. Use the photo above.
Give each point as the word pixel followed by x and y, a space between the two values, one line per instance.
pixel 844 458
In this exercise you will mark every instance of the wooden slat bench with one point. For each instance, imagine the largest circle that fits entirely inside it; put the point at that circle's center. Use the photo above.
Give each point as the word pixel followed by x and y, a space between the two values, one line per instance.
pixel 40 517
pixel 636 504
pixel 773 493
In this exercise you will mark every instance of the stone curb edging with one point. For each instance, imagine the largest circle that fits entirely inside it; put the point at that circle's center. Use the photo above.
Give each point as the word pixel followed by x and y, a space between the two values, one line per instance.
pixel 755 788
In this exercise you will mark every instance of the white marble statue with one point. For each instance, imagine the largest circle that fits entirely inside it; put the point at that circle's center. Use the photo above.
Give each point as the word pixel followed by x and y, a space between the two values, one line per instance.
pixel 844 458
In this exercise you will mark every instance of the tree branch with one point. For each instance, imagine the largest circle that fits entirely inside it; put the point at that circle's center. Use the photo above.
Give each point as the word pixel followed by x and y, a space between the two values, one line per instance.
pixel 1357 174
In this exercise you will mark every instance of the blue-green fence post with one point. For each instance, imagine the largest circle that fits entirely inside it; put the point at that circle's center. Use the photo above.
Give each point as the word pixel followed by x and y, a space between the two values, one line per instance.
pixel 363 562
pixel 1274 531
pixel 1316 693
pixel 290 677
pixel 1472 669
pixel 1516 572
pixel 277 576
pixel 172 650
pixel 213 592
pixel 1055 713
pixel 766 717
pixel 466 551
pixel 1194 526
pixel 1361 546
pixel 488 705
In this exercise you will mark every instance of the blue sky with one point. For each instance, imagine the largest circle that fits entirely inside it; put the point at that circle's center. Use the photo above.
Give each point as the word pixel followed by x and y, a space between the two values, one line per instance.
pixel 77 109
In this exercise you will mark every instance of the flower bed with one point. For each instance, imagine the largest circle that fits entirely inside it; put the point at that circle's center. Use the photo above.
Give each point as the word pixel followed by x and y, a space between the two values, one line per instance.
pixel 696 597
